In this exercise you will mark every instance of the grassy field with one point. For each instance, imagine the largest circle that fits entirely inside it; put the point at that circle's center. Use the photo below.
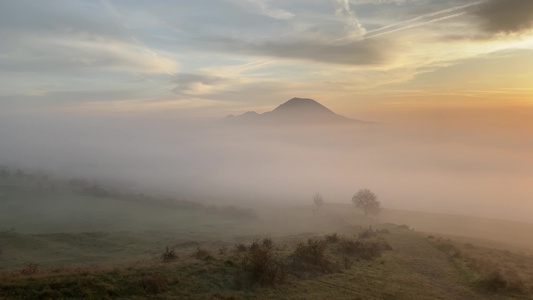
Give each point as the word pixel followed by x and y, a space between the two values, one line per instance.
pixel 414 267
pixel 55 243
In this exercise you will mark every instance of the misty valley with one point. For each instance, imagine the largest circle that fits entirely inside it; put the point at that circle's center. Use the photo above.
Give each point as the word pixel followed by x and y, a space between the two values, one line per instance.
pixel 266 149
pixel 294 203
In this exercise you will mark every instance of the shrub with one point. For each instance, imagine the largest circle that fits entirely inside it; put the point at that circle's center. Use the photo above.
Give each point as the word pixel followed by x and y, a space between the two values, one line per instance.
pixel 168 255
pixel 222 250
pixel 332 238
pixel 240 247
pixel 497 281
pixel 494 281
pixel 311 257
pixel 310 253
pixel 201 253
pixel 363 249
pixel 262 265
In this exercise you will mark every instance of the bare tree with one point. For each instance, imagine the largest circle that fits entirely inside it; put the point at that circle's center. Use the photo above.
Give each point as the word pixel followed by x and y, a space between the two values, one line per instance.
pixel 367 201
pixel 317 199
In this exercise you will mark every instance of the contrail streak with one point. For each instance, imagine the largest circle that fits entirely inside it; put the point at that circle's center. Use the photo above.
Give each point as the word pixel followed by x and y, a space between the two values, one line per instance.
pixel 430 15
pixel 415 22
pixel 415 25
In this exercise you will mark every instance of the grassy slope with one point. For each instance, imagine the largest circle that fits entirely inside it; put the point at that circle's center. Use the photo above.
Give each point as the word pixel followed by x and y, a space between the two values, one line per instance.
pixel 414 269
pixel 505 232
pixel 47 232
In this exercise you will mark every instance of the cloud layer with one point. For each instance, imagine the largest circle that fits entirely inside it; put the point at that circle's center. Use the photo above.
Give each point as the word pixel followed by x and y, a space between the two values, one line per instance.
pixel 505 16
pixel 205 51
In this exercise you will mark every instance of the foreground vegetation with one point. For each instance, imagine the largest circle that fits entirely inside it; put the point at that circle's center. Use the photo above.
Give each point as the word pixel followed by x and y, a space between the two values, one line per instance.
pixel 62 240
pixel 383 262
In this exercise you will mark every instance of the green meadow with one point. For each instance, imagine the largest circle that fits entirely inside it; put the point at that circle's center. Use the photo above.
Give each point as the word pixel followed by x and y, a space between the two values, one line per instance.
pixel 58 243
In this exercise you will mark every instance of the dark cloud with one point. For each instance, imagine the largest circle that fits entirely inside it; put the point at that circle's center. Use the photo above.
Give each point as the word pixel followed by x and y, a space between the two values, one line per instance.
pixel 365 52
pixel 505 16
pixel 362 52
pixel 231 27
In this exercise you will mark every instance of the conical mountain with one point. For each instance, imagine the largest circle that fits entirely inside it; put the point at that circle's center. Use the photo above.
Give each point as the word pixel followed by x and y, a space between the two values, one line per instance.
pixel 302 104
pixel 295 111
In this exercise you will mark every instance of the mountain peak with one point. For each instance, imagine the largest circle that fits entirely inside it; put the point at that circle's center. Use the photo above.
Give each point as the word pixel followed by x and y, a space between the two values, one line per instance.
pixel 302 104
pixel 296 111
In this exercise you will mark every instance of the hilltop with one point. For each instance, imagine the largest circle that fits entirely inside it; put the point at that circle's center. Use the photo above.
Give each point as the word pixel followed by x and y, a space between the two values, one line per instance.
pixel 295 111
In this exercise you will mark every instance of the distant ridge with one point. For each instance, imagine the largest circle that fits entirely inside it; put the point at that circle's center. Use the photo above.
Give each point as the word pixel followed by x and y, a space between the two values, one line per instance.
pixel 295 111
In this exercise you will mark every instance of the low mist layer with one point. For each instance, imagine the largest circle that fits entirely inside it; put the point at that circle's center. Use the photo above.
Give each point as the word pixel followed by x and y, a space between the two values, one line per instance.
pixel 446 171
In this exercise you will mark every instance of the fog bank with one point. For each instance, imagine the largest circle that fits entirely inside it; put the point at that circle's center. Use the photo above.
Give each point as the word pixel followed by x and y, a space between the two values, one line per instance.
pixel 446 171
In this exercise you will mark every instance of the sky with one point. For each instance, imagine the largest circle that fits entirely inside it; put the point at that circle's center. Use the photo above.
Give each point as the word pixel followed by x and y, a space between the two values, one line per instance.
pixel 111 88
pixel 378 60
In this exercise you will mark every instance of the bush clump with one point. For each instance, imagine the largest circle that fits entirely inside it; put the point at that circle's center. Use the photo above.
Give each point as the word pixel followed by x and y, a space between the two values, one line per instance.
pixel 168 255
pixel 498 281
pixel 263 265
pixel 240 247
pixel 310 253
pixel 494 281
pixel 201 253
pixel 332 238
pixel 363 249
pixel 222 250
pixel 311 257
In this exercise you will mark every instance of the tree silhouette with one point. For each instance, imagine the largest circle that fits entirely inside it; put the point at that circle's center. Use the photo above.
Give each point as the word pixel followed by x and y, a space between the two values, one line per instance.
pixel 367 201
pixel 317 199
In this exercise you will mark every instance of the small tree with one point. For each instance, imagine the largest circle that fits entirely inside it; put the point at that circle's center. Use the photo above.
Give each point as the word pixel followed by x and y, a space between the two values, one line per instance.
pixel 367 201
pixel 317 199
